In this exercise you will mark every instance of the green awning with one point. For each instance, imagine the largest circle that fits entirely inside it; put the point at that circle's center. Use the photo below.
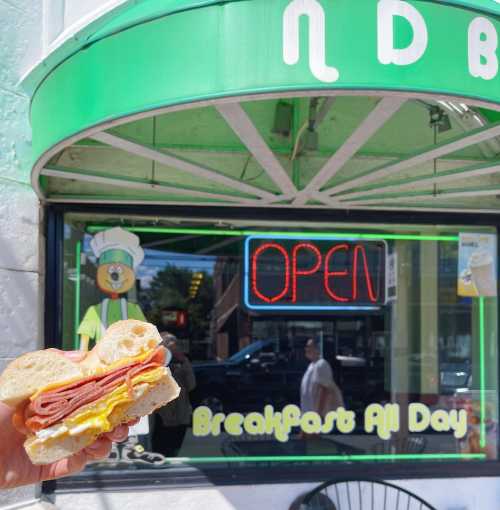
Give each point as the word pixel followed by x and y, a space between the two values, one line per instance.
pixel 236 103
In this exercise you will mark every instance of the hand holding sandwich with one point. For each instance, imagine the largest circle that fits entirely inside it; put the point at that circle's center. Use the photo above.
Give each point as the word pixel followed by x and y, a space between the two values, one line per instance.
pixel 15 467
pixel 60 410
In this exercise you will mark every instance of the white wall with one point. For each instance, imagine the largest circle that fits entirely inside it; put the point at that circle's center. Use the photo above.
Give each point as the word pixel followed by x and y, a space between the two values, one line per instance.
pixel 20 37
pixel 20 297
pixel 453 494
pixel 64 18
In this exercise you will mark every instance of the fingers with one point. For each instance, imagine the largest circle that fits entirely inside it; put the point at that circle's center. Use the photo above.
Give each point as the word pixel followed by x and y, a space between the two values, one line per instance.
pixel 100 449
pixel 64 467
pixel 118 435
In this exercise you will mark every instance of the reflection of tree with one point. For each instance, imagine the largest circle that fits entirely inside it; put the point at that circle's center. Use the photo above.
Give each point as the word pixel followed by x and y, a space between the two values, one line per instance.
pixel 170 289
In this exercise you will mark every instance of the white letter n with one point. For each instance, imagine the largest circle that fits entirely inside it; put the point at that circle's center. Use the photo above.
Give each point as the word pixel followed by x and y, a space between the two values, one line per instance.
pixel 485 48
pixel 317 38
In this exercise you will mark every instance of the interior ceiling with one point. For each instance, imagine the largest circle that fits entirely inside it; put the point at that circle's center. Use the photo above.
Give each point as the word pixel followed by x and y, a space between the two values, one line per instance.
pixel 341 152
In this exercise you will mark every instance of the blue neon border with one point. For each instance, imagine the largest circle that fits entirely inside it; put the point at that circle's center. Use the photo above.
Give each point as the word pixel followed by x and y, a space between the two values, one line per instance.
pixel 299 308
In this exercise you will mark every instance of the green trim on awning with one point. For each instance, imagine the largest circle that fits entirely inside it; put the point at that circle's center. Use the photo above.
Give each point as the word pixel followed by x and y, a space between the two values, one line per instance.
pixel 135 12
pixel 486 6
pixel 235 49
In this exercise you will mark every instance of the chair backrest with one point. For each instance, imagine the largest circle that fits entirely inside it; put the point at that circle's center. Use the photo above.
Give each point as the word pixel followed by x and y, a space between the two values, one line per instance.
pixel 362 494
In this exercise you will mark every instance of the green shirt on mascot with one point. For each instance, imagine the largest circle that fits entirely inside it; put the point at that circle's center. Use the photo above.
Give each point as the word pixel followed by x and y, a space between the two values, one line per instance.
pixel 119 254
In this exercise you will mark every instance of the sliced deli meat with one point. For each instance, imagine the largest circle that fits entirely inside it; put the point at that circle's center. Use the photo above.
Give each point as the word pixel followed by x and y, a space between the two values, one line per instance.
pixel 53 406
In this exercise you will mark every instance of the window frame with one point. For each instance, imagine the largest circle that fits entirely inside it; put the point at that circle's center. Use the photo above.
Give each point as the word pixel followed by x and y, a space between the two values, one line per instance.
pixel 233 473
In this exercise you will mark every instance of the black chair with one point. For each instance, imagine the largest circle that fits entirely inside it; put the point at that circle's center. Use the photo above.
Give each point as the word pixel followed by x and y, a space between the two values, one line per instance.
pixel 363 494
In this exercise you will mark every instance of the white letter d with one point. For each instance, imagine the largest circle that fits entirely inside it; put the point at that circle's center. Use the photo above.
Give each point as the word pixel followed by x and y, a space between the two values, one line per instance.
pixel 387 54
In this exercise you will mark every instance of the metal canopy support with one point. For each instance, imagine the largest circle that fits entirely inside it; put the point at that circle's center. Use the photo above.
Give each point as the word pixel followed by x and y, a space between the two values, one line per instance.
pixel 426 180
pixel 139 184
pixel 95 199
pixel 384 110
pixel 164 158
pixel 241 124
pixel 437 151
pixel 429 195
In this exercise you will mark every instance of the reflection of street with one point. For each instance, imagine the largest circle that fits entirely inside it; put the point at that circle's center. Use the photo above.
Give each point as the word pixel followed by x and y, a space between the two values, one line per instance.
pixel 333 444
pixel 250 446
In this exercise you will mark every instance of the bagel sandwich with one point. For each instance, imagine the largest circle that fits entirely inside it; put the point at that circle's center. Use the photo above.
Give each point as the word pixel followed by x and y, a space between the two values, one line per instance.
pixel 63 406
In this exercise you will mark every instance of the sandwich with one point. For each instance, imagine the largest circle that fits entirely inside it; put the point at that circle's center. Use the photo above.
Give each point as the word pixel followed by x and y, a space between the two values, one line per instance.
pixel 63 406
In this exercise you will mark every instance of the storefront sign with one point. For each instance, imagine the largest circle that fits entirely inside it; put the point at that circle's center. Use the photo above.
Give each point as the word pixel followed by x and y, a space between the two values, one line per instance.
pixel 244 48
pixel 174 318
pixel 313 274
pixel 477 265
pixel 383 420
pixel 482 39
pixel 392 276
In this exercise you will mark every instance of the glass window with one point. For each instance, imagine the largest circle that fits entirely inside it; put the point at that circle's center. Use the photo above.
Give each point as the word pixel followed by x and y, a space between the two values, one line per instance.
pixel 295 344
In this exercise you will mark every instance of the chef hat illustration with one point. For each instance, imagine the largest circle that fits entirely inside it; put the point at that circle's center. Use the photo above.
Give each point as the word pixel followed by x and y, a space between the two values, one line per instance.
pixel 117 245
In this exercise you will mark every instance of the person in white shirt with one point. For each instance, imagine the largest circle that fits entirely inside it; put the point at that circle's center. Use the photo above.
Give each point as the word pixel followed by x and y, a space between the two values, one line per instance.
pixel 318 391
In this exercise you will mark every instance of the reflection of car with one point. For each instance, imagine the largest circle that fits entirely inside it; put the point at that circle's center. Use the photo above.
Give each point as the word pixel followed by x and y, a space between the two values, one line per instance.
pixel 454 377
pixel 248 380
pixel 256 376
pixel 351 361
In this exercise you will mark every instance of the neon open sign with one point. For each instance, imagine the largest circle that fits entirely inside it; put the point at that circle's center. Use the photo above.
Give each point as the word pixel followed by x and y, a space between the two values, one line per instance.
pixel 292 273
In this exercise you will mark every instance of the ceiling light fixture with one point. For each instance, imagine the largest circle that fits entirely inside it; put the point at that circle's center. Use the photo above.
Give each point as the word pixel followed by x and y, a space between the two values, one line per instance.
pixel 439 119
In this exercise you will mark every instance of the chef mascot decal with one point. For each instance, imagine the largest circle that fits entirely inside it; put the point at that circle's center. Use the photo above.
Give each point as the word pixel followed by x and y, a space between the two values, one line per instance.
pixel 119 254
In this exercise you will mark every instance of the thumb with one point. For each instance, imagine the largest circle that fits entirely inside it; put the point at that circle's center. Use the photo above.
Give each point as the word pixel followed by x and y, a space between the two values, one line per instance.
pixel 64 467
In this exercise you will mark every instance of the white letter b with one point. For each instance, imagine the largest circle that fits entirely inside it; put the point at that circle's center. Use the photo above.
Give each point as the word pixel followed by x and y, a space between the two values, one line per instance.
pixel 488 68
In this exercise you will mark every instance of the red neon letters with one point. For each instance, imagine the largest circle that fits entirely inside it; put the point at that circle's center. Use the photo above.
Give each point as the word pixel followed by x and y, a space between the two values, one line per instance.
pixel 333 273
pixel 296 272
pixel 328 273
pixel 255 258
pixel 371 294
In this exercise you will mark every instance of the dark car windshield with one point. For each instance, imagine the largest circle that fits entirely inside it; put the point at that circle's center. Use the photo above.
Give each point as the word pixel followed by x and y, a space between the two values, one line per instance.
pixel 247 351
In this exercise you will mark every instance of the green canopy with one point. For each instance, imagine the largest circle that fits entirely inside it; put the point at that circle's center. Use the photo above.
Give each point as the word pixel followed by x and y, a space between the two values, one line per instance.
pixel 282 103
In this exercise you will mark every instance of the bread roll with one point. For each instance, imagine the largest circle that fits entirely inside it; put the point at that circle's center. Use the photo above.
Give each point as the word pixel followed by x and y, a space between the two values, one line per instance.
pixel 59 448
pixel 28 373
pixel 127 338
pixel 123 339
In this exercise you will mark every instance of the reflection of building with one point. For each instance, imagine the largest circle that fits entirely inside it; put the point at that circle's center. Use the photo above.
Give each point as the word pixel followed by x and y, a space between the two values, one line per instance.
pixel 231 323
